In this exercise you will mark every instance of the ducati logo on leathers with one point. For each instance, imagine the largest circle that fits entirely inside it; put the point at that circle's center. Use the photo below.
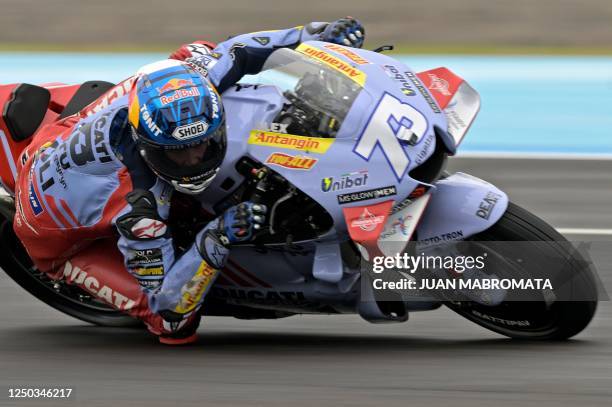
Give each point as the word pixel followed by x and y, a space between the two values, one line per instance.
pixel 75 275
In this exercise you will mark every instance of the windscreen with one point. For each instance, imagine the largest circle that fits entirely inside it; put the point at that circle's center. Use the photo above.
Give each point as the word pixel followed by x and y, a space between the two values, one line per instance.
pixel 315 90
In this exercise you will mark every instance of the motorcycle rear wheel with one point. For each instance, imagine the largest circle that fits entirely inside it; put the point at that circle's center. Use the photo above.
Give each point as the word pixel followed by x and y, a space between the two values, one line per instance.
pixel 65 298
pixel 534 320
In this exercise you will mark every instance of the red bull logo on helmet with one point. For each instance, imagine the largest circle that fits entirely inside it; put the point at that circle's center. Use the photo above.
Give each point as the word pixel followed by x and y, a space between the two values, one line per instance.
pixel 179 88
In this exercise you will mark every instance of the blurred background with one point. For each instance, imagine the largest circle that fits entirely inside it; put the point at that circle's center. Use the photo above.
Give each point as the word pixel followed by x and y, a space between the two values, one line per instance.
pixel 547 62
pixel 419 25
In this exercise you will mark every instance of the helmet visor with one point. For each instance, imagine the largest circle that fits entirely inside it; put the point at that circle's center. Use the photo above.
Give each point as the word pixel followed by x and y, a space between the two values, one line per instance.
pixel 187 164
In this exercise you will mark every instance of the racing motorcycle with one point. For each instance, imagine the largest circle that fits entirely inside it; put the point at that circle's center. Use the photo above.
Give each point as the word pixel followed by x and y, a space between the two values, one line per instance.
pixel 347 148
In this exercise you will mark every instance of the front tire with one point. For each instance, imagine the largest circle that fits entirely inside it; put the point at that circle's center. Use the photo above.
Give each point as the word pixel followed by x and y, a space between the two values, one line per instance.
pixel 535 320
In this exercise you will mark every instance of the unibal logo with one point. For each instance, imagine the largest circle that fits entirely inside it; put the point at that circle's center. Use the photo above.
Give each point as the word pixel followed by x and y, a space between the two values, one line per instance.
pixel 346 181
pixel 190 130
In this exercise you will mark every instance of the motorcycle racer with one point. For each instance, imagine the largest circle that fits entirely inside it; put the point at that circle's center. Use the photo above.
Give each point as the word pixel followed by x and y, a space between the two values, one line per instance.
pixel 93 192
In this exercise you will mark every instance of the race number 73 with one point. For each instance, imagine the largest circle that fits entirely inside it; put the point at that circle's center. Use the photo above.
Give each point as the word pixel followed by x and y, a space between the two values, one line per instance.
pixel 392 122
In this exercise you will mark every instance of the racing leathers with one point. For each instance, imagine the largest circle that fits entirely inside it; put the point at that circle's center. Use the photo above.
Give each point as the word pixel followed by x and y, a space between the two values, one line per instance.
pixel 83 192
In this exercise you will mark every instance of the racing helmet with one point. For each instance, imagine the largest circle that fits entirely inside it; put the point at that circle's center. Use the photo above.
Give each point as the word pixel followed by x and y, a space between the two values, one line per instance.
pixel 178 124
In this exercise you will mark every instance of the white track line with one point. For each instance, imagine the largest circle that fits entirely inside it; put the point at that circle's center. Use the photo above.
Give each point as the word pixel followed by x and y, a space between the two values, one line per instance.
pixel 536 156
pixel 580 231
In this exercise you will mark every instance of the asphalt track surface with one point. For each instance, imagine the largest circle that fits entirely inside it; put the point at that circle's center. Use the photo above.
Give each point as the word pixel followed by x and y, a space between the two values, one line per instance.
pixel 435 359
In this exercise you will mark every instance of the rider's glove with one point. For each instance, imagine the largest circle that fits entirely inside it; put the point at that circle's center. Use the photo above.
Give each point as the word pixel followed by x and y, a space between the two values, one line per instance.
pixel 237 224
pixel 346 31
pixel 193 50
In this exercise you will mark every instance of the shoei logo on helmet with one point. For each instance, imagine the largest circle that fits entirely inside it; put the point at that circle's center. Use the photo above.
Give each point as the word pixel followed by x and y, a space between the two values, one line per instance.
pixel 190 130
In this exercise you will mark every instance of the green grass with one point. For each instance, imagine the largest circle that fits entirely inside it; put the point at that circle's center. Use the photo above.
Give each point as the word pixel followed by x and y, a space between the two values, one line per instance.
pixel 404 48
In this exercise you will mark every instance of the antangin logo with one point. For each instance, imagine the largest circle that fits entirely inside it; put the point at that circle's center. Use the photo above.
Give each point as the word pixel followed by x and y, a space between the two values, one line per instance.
pixel 355 74
pixel 281 140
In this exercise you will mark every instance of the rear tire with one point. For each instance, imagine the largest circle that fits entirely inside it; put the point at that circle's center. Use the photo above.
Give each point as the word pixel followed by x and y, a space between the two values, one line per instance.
pixel 69 300
pixel 558 320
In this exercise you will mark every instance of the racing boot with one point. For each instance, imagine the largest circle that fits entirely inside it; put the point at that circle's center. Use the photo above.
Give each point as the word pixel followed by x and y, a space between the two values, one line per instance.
pixel 186 335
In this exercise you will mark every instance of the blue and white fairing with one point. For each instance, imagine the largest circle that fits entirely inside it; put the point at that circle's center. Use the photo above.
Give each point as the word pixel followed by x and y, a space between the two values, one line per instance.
pixel 387 119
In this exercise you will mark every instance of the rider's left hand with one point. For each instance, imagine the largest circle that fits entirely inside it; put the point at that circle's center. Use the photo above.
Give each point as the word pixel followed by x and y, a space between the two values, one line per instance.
pixel 346 31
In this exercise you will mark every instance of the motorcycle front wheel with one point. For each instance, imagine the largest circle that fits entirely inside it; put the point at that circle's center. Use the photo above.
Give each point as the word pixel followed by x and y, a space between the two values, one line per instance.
pixel 539 318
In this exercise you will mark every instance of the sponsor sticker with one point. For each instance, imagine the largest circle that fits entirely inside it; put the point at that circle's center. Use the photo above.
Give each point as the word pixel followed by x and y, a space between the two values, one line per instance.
pixel 395 74
pixel 326 58
pixel 199 69
pixel 398 226
pixel 438 84
pixel 175 84
pixel 37 209
pixel 347 53
pixel 149 271
pixel 417 84
pixel 193 291
pixel 487 205
pixel 148 120
pixel 276 128
pixel 292 162
pixel 190 130
pixel 367 221
pixel 345 181
pixel 443 237
pixel 149 229
pixel 366 195
pixel 179 94
pixel 144 257
pixel 289 141
pixel 442 83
